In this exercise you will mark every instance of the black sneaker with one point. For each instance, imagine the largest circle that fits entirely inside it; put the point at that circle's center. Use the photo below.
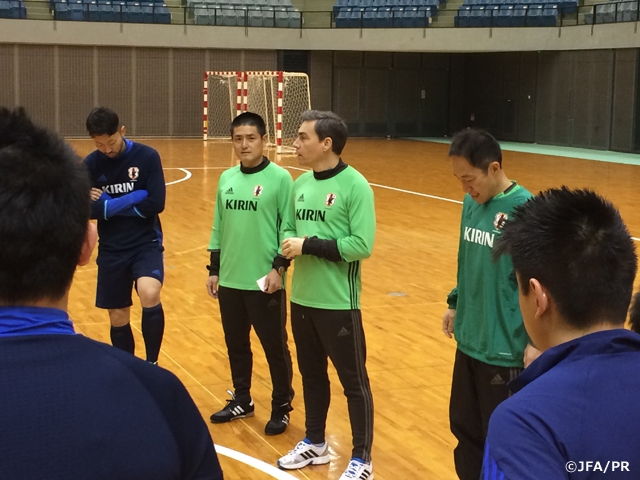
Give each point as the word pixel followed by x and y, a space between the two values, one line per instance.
pixel 233 410
pixel 279 420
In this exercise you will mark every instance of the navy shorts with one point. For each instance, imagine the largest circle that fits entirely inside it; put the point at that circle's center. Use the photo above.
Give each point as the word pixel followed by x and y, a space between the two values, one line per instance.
pixel 118 272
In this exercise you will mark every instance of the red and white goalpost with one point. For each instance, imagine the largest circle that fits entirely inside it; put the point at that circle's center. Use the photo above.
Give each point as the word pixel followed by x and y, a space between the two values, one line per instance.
pixel 279 97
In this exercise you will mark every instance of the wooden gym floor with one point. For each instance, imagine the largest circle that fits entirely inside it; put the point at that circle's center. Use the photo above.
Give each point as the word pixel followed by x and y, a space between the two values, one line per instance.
pixel 405 284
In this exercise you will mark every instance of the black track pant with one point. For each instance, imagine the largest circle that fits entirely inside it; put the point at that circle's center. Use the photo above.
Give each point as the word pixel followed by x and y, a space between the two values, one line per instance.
pixel 267 314
pixel 476 391
pixel 336 334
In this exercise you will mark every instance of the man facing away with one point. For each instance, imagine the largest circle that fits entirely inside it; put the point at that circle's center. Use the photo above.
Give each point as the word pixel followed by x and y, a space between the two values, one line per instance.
pixel 574 414
pixel 73 408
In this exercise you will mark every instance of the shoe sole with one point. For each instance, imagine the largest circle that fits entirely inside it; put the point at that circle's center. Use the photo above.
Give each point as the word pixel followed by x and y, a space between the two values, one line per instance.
pixel 312 461
pixel 272 433
pixel 250 414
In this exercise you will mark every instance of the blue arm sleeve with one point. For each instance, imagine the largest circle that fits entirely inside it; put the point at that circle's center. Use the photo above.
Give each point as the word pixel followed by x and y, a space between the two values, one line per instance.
pixel 154 203
pixel 106 207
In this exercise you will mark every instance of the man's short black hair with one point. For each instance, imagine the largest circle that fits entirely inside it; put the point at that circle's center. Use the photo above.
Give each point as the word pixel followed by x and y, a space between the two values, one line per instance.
pixel 45 206
pixel 252 120
pixel 328 124
pixel 478 147
pixel 575 243
pixel 102 121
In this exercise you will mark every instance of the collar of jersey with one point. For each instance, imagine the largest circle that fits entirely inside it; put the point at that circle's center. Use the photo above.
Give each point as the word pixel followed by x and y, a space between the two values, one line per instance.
pixel 512 188
pixel 128 144
pixel 326 174
pixel 258 168
pixel 20 321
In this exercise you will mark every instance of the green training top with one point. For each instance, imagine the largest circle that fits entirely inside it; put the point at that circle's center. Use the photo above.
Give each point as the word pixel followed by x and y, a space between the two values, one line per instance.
pixel 488 324
pixel 332 205
pixel 252 204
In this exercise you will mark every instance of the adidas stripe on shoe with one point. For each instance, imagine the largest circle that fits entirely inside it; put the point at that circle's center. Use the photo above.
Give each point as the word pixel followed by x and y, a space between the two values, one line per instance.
pixel 233 410
pixel 305 453
pixel 358 470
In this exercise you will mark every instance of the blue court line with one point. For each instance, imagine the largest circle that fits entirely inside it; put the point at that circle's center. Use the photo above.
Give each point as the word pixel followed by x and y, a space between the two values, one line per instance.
pixel 568 152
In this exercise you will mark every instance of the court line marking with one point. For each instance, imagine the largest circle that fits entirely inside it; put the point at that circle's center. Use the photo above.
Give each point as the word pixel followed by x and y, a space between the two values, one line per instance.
pixel 196 168
pixel 413 193
pixel 255 463
pixel 183 179
pixel 257 466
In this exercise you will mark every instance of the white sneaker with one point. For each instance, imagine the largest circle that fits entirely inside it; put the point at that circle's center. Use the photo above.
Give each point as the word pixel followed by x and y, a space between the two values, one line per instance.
pixel 358 470
pixel 304 454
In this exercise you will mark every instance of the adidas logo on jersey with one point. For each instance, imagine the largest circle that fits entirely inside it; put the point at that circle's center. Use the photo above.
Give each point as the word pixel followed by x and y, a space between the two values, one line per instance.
pixel 301 198
pixel 229 192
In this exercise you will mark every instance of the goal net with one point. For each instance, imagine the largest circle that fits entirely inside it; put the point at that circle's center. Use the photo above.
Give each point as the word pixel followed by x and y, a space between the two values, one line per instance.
pixel 278 97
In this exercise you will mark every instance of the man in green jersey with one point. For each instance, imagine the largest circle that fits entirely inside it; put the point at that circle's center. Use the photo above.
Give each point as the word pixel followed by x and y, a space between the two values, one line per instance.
pixel 333 232
pixel 252 203
pixel 483 309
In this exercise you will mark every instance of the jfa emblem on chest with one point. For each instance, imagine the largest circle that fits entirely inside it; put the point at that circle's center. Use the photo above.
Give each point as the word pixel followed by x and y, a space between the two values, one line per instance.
pixel 330 200
pixel 257 190
pixel 500 220
pixel 134 173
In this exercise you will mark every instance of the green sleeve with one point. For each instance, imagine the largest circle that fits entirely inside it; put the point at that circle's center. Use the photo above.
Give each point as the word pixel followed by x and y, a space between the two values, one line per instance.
pixel 288 229
pixel 362 224
pixel 285 210
pixel 452 298
pixel 214 241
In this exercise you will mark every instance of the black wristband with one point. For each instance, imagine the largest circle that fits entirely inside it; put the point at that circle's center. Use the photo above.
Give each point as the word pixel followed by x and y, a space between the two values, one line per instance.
pixel 280 262
pixel 214 263
pixel 327 249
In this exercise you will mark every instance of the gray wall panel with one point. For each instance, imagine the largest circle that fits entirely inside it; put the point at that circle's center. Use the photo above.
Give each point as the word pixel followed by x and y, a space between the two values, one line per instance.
pixel 76 89
pixel 346 96
pixel 115 83
pixel 624 100
pixel 225 60
pixel 37 87
pixel 7 77
pixel 152 95
pixel 188 68
pixel 320 79
pixel 527 97
pixel 592 99
pixel 406 102
pixel 260 60
pixel 555 79
pixel 375 101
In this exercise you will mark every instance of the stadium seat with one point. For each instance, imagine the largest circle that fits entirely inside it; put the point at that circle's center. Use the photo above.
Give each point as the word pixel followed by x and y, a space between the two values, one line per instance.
pixel 549 16
pixel 462 18
pixel 503 16
pixel 355 17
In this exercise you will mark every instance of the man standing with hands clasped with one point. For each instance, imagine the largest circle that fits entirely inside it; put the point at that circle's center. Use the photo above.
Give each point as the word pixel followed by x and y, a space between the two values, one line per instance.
pixel 333 232
pixel 252 205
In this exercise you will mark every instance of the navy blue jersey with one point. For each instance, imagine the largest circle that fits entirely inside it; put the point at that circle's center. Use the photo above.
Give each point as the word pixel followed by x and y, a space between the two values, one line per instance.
pixel 75 408
pixel 574 414
pixel 137 168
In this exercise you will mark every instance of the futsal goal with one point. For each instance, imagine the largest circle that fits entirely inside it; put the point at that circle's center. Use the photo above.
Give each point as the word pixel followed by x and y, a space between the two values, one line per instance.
pixel 278 97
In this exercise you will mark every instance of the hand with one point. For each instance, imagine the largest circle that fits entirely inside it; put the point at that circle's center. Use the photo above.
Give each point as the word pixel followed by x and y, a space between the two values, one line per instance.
pixel 292 247
pixel 530 354
pixel 212 286
pixel 95 194
pixel 273 282
pixel 447 322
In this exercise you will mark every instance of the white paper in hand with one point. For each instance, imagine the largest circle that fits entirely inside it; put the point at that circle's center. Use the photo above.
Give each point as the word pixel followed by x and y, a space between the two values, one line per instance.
pixel 261 283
